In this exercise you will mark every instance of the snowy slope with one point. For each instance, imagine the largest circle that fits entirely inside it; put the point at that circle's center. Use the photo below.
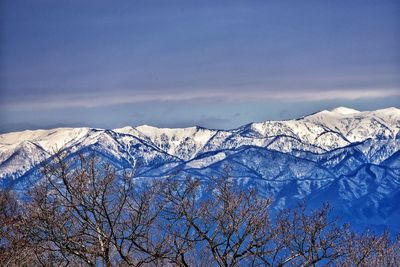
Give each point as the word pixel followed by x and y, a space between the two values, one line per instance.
pixel 184 143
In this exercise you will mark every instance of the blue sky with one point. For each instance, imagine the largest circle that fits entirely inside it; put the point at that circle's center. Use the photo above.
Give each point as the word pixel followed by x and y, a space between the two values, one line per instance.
pixel 217 64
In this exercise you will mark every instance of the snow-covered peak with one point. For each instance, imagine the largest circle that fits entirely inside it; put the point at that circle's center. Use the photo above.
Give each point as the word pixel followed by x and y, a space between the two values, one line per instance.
pixel 344 111
pixel 184 143
pixel 152 131
pixel 341 113
pixel 49 140
pixel 357 126
pixel 387 112
pixel 131 131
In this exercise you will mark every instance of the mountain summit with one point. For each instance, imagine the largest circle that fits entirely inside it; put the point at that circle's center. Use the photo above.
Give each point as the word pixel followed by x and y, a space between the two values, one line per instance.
pixel 344 110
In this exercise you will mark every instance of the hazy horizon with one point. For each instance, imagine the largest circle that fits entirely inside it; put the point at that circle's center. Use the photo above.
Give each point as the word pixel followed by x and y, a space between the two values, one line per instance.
pixel 16 128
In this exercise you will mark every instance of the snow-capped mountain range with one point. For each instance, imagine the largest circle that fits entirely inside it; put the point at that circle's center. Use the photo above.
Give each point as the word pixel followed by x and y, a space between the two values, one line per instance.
pixel 348 157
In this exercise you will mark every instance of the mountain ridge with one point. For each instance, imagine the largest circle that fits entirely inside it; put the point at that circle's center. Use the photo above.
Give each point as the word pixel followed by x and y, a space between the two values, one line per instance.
pixel 332 151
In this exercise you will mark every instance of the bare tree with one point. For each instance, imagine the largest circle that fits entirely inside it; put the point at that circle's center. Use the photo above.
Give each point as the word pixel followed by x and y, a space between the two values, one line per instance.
pixel 311 238
pixel 228 225
pixel 83 212
pixel 368 249
pixel 14 246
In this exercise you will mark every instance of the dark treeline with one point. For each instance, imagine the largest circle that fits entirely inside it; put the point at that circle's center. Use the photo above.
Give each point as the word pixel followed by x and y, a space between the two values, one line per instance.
pixel 83 213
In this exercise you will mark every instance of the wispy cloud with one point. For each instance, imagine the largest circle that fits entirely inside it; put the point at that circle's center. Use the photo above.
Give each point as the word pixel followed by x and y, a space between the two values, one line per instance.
pixel 244 95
